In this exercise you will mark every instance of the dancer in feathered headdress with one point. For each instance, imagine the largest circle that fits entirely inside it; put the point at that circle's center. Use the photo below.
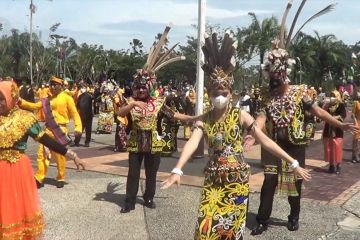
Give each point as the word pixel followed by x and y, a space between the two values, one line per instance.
pixel 284 114
pixel 144 142
pixel 226 189
pixel 158 58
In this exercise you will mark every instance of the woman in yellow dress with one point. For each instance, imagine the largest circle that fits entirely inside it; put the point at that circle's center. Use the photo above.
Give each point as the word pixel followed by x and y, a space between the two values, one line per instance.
pixel 224 199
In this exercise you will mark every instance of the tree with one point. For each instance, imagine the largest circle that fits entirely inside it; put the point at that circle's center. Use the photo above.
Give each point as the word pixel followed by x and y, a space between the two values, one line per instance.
pixel 137 47
pixel 320 55
pixel 256 39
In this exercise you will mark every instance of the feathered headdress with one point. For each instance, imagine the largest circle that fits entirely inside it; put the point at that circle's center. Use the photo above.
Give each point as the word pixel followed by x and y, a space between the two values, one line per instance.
pixel 157 59
pixel 277 63
pixel 220 63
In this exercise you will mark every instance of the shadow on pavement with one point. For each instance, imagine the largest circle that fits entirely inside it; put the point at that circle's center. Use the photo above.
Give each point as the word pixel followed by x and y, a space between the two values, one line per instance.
pixel 251 221
pixel 52 181
pixel 110 195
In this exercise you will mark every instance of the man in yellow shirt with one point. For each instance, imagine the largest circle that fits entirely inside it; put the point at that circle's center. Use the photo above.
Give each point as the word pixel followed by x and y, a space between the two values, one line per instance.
pixel 42 92
pixel 58 110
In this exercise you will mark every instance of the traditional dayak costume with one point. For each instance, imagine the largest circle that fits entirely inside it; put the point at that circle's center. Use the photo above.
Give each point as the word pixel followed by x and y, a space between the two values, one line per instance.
pixel 121 122
pixel 224 201
pixel 170 127
pixel 255 102
pixel 144 142
pixel 106 115
pixel 286 125
pixel 58 110
pixel 20 213
pixel 190 102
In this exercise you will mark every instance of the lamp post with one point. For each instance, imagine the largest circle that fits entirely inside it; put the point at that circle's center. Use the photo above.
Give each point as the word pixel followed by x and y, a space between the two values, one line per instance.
pixel 199 107
pixel 32 10
pixel 300 72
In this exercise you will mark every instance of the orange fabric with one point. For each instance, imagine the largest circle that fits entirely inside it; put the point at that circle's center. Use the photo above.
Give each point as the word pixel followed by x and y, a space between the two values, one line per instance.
pixel 333 152
pixel 10 92
pixel 20 213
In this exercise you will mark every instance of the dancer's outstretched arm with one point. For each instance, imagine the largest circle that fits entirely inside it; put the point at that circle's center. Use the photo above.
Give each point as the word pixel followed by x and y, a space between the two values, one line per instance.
pixel 324 115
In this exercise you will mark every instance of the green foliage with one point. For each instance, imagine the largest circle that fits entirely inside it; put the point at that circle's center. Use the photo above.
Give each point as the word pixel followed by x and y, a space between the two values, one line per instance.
pixel 323 59
pixel 255 39
pixel 319 55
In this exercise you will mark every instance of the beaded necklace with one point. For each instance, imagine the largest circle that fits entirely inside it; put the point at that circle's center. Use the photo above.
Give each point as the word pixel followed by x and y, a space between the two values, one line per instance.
pixel 282 108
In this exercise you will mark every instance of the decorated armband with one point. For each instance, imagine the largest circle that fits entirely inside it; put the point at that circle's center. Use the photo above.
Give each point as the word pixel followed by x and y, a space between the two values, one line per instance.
pixel 197 125
pixel 251 127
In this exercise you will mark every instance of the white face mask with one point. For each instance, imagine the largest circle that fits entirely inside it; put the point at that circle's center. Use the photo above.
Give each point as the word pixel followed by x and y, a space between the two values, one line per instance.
pixel 220 102
pixel 332 99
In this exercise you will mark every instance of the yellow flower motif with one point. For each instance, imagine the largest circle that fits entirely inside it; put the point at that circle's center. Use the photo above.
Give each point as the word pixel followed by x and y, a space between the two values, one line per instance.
pixel 242 189
pixel 215 195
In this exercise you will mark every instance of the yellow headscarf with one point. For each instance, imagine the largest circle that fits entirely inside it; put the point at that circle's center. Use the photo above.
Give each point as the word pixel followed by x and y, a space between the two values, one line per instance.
pixel 337 95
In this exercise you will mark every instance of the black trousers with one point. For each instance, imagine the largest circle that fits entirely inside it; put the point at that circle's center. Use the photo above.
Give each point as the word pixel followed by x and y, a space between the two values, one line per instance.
pixel 270 183
pixel 117 131
pixel 96 107
pixel 152 162
pixel 86 122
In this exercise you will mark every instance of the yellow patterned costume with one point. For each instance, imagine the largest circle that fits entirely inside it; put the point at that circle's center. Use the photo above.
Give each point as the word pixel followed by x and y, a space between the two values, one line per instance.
pixel 144 126
pixel 63 108
pixel 223 207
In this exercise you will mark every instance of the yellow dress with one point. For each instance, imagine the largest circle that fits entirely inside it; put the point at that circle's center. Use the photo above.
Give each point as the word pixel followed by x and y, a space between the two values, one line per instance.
pixel 223 206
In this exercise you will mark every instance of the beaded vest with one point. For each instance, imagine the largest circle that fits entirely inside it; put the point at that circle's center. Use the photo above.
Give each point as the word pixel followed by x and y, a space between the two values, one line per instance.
pixel 226 164
pixel 286 116
pixel 146 120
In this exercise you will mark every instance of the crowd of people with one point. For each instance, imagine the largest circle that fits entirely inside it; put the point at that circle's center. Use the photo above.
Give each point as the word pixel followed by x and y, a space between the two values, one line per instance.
pixel 280 116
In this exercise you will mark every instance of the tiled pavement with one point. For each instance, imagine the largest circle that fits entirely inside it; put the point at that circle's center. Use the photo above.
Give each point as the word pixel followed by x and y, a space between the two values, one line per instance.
pixel 332 188
pixel 323 187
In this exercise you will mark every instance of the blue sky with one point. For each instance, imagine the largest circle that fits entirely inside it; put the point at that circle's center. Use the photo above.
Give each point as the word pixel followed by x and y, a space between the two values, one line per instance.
pixel 114 23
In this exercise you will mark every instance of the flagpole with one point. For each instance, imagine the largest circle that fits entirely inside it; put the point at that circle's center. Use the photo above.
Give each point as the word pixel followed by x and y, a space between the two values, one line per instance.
pixel 199 107
pixel 31 50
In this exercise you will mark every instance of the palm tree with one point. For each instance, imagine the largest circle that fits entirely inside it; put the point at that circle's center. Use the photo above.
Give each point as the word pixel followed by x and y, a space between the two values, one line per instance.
pixel 256 39
pixel 321 54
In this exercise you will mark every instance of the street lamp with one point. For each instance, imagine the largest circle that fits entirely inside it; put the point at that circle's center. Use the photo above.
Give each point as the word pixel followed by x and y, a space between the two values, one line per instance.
pixel 199 72
pixel 300 72
pixel 32 10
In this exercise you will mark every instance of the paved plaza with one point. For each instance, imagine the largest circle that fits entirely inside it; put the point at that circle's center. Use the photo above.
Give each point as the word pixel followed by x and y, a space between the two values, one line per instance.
pixel 88 207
